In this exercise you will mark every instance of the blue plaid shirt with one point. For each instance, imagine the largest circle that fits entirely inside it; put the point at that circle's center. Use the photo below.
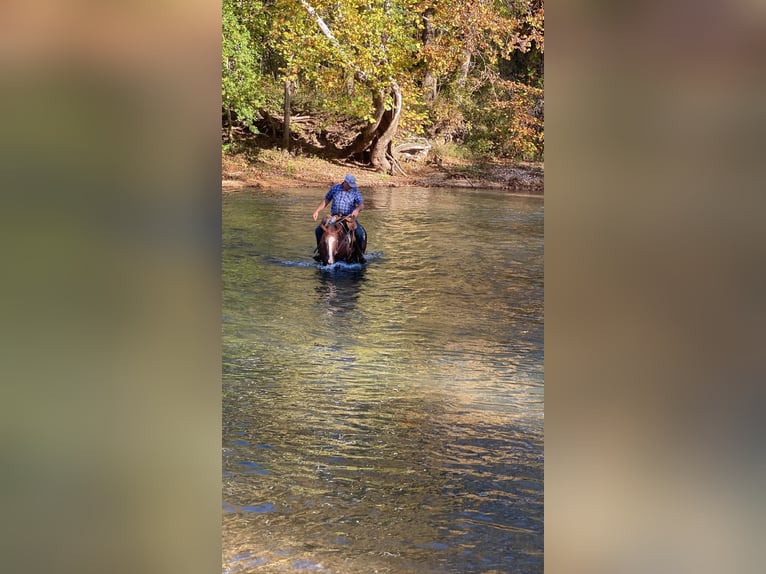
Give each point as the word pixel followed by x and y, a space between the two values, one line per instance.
pixel 343 202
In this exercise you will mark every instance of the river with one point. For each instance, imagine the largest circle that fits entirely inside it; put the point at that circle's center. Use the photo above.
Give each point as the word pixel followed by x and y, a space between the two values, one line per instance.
pixel 385 417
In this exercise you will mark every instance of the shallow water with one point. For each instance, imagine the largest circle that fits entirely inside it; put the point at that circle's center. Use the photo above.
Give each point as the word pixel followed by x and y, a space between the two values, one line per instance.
pixel 389 416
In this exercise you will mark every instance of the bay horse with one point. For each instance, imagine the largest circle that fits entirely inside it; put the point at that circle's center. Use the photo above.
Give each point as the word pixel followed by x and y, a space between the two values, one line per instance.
pixel 338 241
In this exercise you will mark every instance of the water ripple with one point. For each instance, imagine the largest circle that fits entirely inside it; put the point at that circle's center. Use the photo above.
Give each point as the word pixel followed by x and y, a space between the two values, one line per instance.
pixel 389 415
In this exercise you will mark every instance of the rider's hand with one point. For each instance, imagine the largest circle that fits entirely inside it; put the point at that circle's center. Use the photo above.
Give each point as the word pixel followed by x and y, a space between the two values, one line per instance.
pixel 316 214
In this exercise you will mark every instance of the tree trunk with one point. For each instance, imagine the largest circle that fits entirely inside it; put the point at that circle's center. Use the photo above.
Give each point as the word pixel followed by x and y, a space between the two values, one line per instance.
pixel 465 67
pixel 368 134
pixel 386 132
pixel 286 123
pixel 230 126
pixel 430 86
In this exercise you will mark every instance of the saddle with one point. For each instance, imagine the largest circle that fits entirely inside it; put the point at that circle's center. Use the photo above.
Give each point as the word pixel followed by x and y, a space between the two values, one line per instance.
pixel 348 222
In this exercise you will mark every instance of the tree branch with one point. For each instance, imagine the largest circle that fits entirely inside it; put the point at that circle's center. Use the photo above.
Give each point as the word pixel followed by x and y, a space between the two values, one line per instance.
pixel 358 73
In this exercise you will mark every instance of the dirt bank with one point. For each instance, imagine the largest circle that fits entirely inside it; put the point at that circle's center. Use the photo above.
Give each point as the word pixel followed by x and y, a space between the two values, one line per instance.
pixel 273 169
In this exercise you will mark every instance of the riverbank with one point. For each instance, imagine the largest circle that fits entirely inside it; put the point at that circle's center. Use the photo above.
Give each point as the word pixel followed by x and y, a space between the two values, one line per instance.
pixel 274 169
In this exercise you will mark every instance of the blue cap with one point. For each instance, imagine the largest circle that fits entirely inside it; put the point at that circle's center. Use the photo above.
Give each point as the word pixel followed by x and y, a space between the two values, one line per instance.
pixel 350 179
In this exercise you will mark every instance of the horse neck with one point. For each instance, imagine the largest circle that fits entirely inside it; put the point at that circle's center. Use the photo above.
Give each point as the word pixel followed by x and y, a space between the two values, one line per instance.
pixel 342 234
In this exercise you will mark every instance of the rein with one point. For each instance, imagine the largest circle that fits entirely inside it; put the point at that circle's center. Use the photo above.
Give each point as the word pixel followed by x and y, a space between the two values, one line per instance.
pixel 343 222
pixel 343 218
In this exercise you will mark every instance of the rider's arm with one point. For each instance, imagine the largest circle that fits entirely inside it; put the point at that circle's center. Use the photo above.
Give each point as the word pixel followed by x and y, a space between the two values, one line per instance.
pixel 359 207
pixel 320 208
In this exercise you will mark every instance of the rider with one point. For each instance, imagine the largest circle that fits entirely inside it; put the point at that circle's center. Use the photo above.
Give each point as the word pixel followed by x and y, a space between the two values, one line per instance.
pixel 346 200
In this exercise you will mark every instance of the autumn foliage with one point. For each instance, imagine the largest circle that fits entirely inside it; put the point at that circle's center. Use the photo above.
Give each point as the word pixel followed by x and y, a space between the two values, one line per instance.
pixel 360 74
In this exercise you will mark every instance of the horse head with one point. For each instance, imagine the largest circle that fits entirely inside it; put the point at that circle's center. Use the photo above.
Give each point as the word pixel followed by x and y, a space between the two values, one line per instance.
pixel 337 238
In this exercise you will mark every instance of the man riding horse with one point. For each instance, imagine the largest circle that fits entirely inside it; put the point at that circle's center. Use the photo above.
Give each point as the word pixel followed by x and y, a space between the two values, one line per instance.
pixel 346 201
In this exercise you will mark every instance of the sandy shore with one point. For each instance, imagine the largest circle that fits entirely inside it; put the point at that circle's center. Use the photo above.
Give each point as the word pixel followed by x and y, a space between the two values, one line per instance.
pixel 275 170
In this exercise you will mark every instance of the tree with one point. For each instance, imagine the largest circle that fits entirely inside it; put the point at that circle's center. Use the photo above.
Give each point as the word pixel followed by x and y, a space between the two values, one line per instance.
pixel 373 50
pixel 465 71
pixel 240 71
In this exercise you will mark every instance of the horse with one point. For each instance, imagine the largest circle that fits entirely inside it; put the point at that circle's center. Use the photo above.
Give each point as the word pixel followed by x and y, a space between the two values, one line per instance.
pixel 338 241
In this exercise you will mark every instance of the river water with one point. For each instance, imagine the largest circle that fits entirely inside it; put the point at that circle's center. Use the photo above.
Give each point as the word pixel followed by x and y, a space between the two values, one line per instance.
pixel 385 417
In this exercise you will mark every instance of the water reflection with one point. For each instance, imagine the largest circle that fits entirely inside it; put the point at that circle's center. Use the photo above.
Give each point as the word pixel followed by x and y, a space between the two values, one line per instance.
pixel 339 286
pixel 385 417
